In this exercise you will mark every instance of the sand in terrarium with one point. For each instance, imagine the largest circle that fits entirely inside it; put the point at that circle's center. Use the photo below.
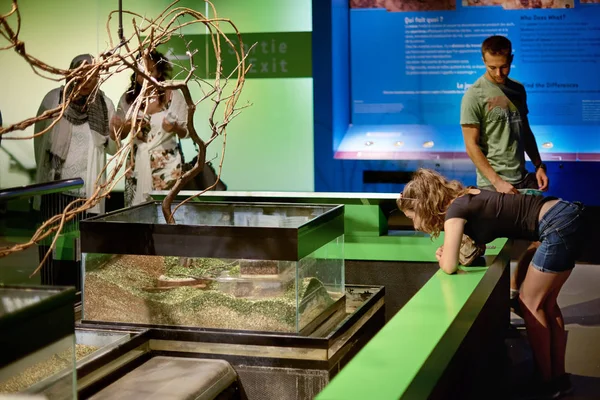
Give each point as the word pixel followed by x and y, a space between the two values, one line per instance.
pixel 131 289
pixel 42 370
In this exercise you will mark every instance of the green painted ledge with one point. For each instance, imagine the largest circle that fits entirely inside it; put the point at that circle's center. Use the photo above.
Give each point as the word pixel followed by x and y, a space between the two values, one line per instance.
pixel 401 246
pixel 411 352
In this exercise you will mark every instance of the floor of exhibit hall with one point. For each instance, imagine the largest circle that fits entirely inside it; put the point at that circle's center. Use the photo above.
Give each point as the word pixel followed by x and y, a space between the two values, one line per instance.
pixel 580 304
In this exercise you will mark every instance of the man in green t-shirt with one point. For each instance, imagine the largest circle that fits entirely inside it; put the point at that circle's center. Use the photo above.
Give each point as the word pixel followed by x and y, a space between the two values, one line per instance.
pixel 495 128
pixel 497 135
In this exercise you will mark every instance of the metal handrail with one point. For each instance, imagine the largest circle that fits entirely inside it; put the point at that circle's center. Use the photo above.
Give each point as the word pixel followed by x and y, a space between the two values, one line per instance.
pixel 38 189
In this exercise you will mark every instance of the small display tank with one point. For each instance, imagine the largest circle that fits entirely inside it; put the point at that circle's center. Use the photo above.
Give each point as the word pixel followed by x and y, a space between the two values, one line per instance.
pixel 241 266
pixel 37 340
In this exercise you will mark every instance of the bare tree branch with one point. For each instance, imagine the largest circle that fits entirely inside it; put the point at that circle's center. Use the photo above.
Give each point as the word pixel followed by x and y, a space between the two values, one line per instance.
pixel 146 37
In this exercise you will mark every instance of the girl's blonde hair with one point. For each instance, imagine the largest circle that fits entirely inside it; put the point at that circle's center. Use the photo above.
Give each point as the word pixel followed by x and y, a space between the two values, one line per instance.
pixel 429 195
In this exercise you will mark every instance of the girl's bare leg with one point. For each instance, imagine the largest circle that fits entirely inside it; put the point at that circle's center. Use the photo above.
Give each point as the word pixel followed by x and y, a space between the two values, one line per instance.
pixel 557 327
pixel 535 291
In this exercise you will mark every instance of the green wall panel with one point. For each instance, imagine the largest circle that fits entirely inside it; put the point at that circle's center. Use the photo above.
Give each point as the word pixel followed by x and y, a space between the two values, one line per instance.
pixel 269 145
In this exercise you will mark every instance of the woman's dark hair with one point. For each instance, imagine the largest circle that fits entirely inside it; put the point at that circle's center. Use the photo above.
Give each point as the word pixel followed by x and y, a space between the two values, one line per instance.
pixel 164 69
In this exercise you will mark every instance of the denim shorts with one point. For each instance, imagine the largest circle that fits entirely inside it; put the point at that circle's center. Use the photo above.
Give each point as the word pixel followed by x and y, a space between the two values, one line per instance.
pixel 561 234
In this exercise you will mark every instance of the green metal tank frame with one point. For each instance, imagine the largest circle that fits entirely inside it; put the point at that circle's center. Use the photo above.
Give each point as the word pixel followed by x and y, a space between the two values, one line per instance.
pixel 365 223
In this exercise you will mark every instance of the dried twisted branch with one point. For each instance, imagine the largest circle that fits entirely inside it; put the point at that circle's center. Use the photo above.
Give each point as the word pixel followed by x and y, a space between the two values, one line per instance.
pixel 132 54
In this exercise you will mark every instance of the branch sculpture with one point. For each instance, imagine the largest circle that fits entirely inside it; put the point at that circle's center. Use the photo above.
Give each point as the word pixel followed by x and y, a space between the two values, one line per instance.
pixel 222 89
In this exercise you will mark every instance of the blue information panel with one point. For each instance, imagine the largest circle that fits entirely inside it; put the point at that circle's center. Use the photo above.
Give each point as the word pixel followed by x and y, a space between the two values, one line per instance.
pixel 412 61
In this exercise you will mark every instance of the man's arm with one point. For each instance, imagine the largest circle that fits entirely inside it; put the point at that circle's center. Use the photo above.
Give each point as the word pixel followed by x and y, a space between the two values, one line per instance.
pixel 471 137
pixel 531 148
pixel 530 144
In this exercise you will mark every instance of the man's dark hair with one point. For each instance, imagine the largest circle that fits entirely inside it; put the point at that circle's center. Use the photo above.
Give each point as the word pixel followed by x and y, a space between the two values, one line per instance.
pixel 496 45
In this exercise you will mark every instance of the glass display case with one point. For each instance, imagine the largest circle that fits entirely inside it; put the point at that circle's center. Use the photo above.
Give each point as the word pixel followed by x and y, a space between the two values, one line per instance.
pixel 20 217
pixel 242 266
pixel 90 345
pixel 37 340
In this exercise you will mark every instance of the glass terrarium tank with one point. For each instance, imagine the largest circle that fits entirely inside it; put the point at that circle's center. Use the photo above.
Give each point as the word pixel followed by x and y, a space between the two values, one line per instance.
pixel 241 266
pixel 37 340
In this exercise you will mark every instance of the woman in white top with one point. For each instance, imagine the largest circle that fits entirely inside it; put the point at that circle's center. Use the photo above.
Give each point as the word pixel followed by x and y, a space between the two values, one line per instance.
pixel 156 157
pixel 76 146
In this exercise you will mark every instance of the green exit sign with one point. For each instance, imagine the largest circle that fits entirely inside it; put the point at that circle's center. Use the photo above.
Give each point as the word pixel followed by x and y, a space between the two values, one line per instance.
pixel 269 55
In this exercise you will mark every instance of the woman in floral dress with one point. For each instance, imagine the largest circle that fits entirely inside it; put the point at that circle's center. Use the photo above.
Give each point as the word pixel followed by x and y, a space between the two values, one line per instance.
pixel 156 158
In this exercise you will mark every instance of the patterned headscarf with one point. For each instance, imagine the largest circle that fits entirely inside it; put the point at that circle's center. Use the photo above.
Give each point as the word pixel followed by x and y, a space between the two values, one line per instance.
pixel 94 112
pixel 81 110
